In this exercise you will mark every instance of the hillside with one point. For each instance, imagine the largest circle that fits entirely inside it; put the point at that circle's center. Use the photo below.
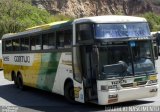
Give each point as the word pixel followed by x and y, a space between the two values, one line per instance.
pixel 80 8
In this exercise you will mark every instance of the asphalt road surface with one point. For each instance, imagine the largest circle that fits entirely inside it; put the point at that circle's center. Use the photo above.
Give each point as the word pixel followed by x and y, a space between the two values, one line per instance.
pixel 34 100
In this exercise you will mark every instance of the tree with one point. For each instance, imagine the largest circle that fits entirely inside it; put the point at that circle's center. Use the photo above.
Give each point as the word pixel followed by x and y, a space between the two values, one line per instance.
pixel 153 20
pixel 16 16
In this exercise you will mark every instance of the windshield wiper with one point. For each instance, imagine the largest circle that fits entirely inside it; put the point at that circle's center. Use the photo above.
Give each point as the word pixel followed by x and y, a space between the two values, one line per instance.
pixel 105 75
pixel 146 57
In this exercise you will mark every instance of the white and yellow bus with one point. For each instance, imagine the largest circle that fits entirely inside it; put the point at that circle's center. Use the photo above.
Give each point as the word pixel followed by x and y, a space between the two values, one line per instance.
pixel 102 59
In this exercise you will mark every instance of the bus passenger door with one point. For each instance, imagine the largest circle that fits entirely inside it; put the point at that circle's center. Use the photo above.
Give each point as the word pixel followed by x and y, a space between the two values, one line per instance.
pixel 85 86
pixel 77 75
pixel 89 71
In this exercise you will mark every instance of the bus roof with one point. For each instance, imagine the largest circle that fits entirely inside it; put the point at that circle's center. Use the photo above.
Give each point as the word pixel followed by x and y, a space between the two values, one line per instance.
pixel 152 33
pixel 61 24
pixel 110 19
pixel 38 29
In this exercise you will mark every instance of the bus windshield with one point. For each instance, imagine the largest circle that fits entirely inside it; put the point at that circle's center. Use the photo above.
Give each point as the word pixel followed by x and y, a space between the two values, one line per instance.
pixel 121 30
pixel 137 55
pixel 111 55
pixel 142 57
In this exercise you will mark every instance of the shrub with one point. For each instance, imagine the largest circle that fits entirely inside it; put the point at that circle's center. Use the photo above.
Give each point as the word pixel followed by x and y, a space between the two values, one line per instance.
pixel 17 15
pixel 153 20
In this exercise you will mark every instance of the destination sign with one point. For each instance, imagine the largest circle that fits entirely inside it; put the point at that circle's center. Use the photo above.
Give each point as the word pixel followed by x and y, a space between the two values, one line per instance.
pixel 125 30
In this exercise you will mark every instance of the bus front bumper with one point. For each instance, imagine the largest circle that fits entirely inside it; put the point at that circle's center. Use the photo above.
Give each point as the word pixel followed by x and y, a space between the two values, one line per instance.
pixel 111 97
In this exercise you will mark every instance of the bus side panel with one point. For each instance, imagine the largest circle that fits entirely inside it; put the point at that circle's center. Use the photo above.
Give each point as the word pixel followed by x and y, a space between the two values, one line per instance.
pixel 64 72
pixel 55 69
pixel 10 65
pixel 48 69
pixel 27 64
pixel 1 62
pixel 8 70
pixel 31 73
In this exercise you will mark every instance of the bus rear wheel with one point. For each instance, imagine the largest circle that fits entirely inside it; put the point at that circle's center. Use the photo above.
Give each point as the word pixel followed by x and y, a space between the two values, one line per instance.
pixel 20 82
pixel 69 92
pixel 14 78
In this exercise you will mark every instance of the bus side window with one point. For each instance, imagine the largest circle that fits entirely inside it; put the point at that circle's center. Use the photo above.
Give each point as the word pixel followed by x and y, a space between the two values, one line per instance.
pixel 35 42
pixel 60 39
pixel 38 42
pixel 8 45
pixel 16 44
pixel 25 44
pixel 3 45
pixel 45 41
pixel 84 32
pixel 52 41
pixel 68 38
pixel 48 41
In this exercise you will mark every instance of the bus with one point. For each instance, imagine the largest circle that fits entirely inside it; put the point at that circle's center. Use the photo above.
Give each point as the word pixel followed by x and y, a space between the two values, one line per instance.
pixel 101 59
pixel 1 60
pixel 156 39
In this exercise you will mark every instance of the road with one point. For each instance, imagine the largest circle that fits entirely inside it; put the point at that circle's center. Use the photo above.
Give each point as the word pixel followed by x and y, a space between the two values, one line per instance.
pixel 34 100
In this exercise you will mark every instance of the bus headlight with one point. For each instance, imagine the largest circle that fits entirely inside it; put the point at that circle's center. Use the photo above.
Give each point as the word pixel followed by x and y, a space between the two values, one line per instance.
pixel 109 87
pixel 104 87
pixel 152 82
pixel 113 96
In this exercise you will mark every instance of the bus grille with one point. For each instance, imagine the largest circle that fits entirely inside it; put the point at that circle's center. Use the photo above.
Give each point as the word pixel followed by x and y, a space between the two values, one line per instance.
pixel 140 83
pixel 127 85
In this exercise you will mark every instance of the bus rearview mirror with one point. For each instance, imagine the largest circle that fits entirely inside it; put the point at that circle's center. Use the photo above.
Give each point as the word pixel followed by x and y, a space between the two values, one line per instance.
pixel 155 47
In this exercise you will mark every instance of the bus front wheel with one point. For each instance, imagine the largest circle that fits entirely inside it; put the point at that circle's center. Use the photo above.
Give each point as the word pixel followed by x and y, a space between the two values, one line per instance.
pixel 69 92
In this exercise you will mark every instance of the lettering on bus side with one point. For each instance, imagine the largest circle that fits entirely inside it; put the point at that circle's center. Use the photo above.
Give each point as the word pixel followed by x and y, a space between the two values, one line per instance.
pixel 6 58
pixel 25 59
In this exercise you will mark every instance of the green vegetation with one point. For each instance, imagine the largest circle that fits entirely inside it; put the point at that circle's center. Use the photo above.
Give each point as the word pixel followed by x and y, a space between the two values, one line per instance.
pixel 156 2
pixel 153 20
pixel 17 15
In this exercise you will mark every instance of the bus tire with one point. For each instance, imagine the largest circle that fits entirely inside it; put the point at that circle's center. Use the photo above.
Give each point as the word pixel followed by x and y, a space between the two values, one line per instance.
pixel 14 78
pixel 69 92
pixel 20 82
